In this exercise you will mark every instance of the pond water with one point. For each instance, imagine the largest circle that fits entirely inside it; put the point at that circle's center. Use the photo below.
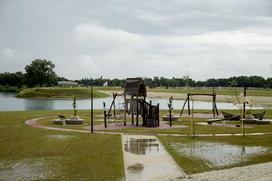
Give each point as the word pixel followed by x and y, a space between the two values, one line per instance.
pixel 11 103
pixel 218 154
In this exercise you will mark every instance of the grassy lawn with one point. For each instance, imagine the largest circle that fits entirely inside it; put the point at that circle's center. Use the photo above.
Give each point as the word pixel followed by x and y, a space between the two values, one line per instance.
pixel 36 154
pixel 192 164
pixel 59 93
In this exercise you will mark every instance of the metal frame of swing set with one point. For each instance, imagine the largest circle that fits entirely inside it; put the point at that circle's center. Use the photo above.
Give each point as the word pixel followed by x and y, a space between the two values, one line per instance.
pixel 214 106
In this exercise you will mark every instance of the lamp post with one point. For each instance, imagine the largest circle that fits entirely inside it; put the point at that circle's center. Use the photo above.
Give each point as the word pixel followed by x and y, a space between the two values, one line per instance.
pixel 244 111
pixel 105 115
pixel 91 108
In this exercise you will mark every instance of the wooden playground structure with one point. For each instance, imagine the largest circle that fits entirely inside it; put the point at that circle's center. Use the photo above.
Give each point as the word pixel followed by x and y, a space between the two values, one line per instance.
pixel 133 103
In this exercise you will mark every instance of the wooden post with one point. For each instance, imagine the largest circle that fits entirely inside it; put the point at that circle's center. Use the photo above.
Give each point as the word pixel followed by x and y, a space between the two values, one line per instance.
pixel 132 117
pixel 105 115
pixel 181 112
pixel 125 111
pixel 189 111
pixel 144 113
pixel 137 111
pixel 114 106
pixel 91 108
pixel 216 107
pixel 213 109
pixel 170 117
pixel 158 113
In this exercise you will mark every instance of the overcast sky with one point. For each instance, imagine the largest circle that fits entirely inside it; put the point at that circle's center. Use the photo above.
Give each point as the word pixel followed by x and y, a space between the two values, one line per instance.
pixel 128 38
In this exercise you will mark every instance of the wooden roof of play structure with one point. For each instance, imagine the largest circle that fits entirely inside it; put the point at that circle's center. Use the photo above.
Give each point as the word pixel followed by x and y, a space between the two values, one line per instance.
pixel 135 87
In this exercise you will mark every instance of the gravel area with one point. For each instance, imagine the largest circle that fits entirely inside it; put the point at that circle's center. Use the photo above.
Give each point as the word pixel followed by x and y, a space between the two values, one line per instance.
pixel 260 172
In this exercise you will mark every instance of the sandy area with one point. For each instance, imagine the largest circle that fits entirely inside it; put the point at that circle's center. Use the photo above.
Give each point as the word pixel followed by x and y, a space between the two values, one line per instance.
pixel 253 172
pixel 258 100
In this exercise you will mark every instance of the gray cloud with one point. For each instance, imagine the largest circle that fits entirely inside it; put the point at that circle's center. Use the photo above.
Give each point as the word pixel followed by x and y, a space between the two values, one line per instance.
pixel 119 38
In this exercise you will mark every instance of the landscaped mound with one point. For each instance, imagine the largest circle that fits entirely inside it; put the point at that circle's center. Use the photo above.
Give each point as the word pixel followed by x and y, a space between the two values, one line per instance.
pixel 59 93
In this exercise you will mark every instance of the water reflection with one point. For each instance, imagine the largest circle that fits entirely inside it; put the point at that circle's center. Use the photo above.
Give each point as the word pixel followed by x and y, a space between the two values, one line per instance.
pixel 218 154
pixel 141 146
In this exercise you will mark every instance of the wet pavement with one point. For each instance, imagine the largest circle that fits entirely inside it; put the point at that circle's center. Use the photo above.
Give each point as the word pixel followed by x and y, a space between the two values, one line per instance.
pixel 146 159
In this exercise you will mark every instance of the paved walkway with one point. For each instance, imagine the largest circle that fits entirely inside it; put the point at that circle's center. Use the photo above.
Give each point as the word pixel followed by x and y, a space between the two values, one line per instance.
pixel 145 158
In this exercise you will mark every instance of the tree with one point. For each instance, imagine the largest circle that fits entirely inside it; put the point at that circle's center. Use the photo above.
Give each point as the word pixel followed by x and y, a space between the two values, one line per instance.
pixel 40 72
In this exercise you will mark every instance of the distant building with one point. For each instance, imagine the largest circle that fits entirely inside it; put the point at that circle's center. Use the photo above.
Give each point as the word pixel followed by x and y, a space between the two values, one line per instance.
pixel 105 84
pixel 67 84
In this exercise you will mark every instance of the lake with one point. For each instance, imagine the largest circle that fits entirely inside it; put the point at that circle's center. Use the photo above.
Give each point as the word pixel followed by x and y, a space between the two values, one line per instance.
pixel 11 103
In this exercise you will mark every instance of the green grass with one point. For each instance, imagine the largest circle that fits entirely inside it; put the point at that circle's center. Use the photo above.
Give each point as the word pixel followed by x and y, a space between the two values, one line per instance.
pixel 56 92
pixel 192 165
pixel 73 158
pixel 98 157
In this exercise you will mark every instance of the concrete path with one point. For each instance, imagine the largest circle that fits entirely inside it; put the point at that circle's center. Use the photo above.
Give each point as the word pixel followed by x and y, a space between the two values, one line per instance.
pixel 146 159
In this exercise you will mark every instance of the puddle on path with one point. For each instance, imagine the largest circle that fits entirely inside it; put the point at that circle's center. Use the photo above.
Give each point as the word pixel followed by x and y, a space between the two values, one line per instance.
pixel 27 169
pixel 146 159
pixel 142 146
pixel 218 154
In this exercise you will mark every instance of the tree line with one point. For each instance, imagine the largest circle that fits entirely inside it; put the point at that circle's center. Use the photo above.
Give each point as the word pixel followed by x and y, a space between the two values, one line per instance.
pixel 41 73
pixel 239 81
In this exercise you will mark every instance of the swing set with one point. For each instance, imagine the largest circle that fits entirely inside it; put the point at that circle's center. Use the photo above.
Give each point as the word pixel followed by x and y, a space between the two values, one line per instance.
pixel 189 97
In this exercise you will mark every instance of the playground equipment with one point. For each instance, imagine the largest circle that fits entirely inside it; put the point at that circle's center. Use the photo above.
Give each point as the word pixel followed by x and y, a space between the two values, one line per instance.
pixel 134 104
pixel 189 96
